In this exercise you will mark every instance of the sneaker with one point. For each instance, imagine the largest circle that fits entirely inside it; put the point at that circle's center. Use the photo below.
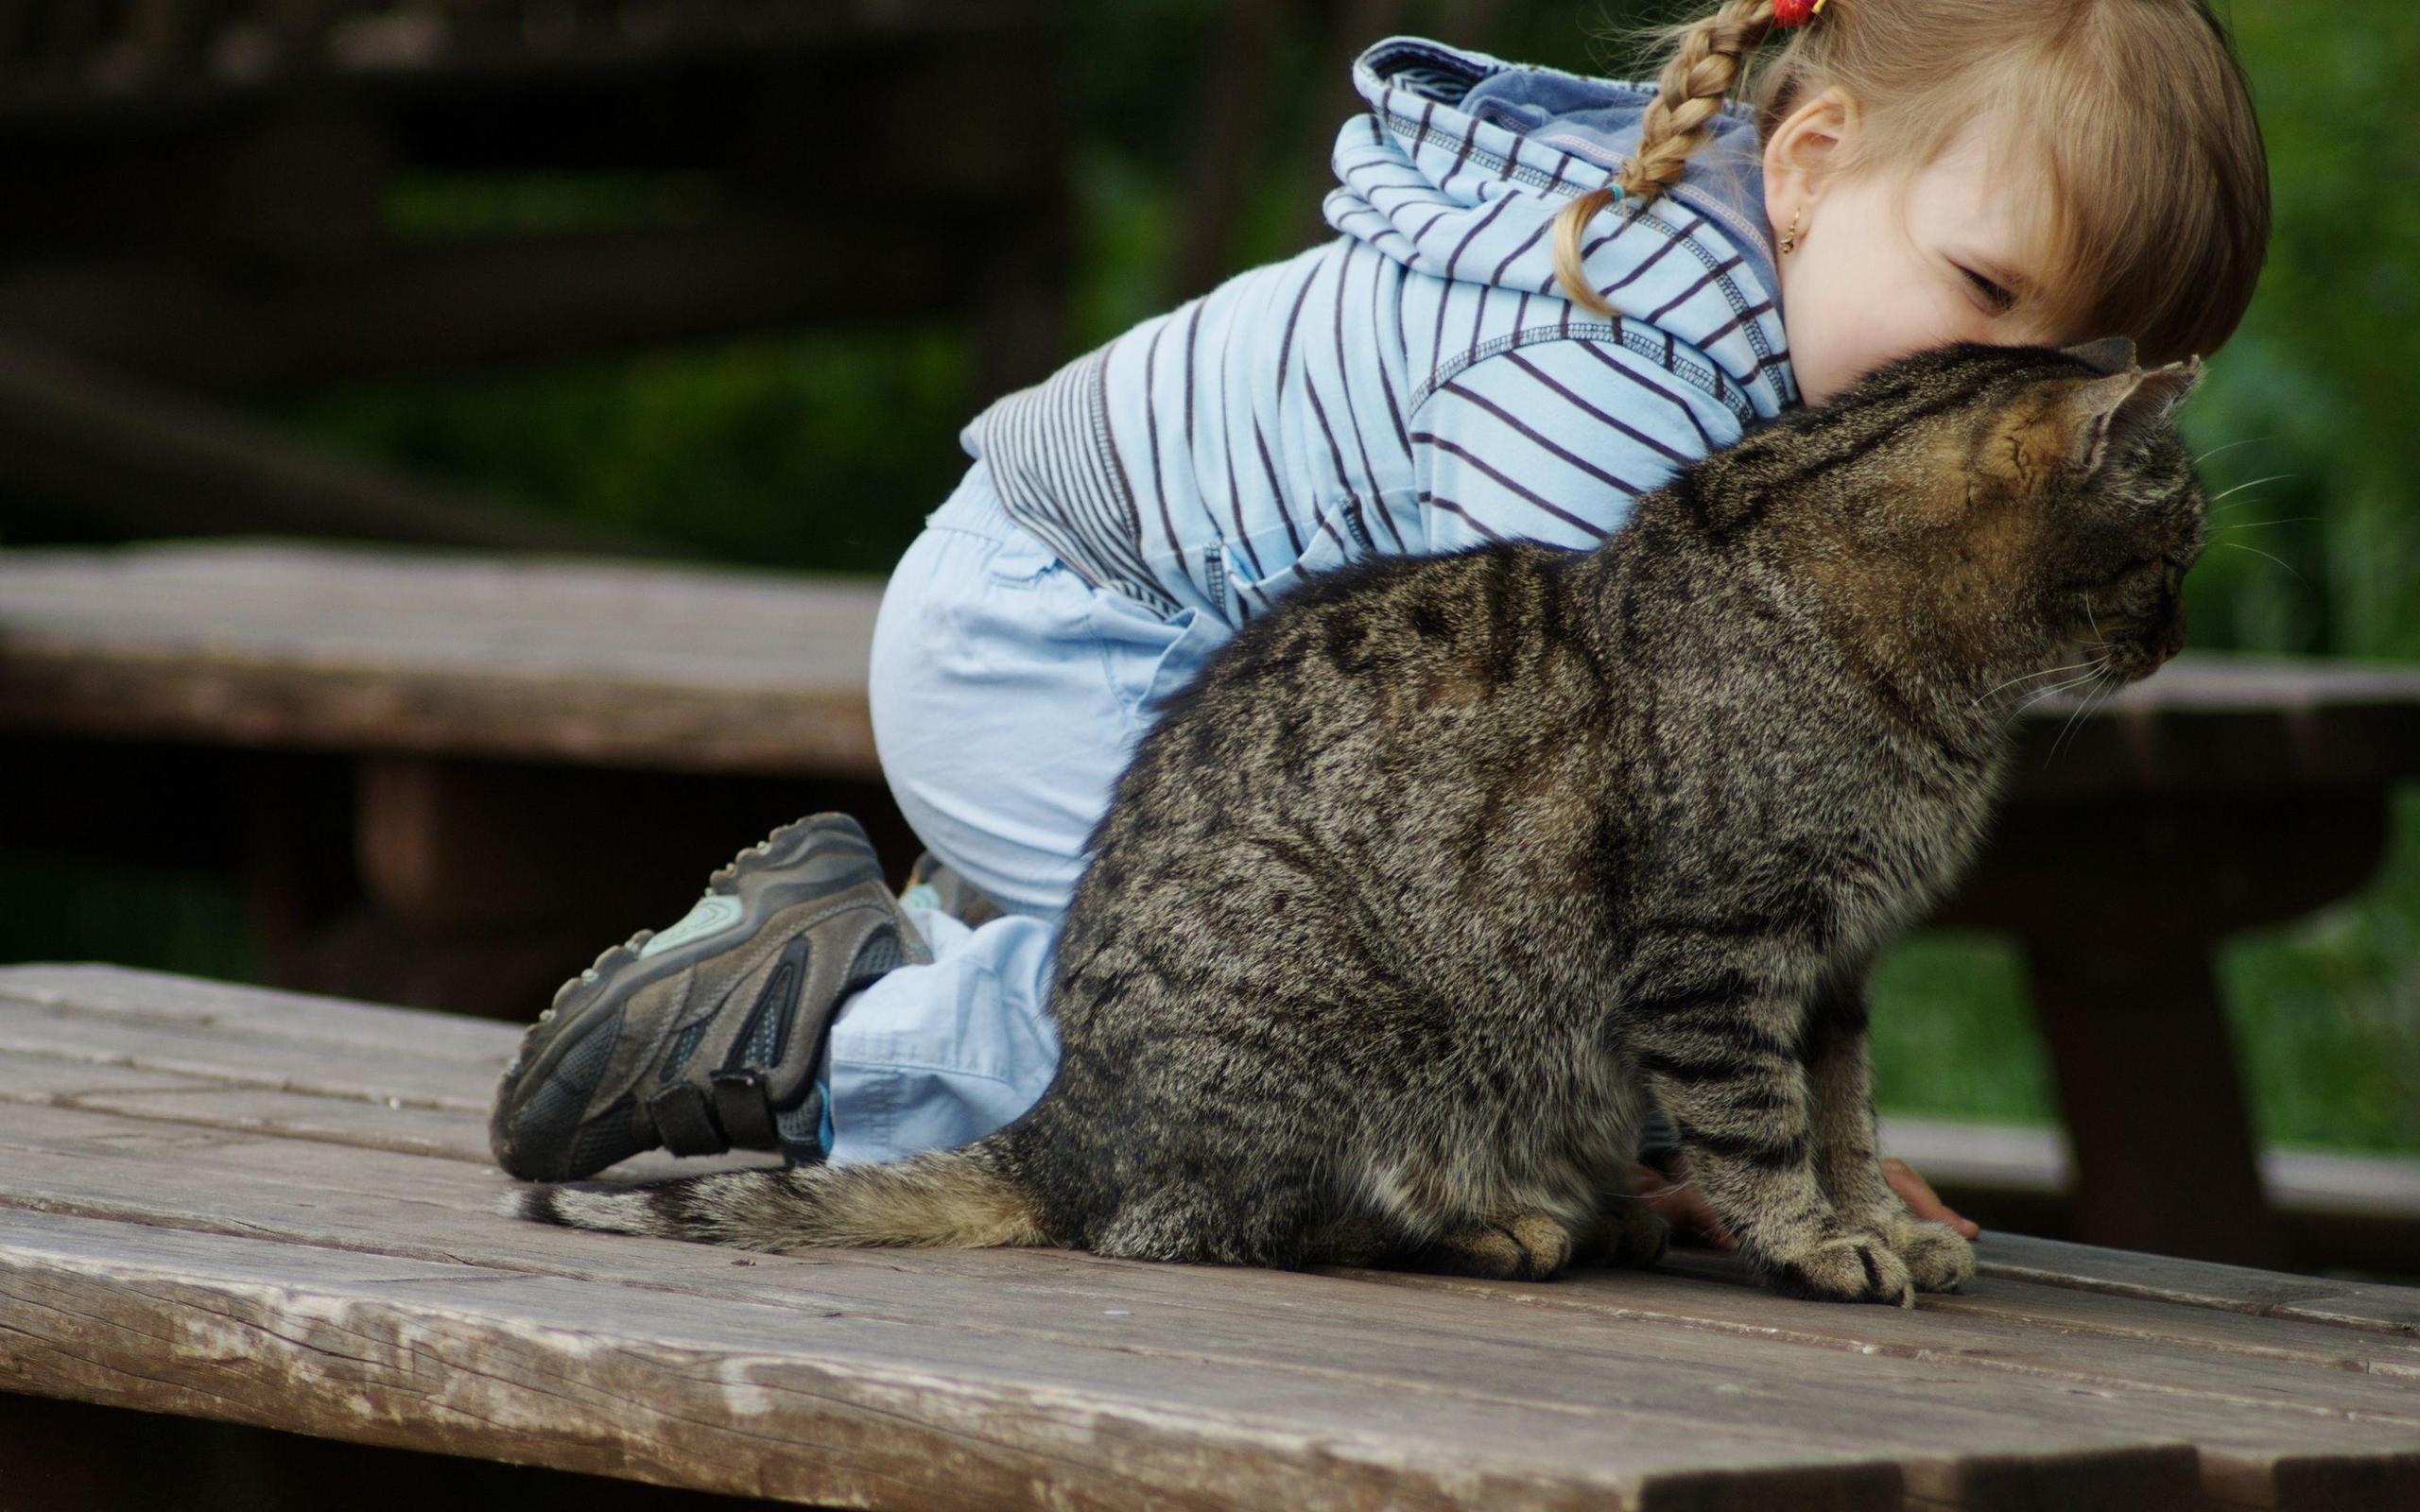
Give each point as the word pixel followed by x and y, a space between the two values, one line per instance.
pixel 705 1038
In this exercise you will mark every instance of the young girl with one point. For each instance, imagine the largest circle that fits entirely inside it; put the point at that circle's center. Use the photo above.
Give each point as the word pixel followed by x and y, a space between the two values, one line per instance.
pixel 1545 293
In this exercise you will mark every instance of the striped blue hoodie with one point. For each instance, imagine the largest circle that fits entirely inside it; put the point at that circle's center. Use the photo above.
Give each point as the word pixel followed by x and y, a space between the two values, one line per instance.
pixel 1417 384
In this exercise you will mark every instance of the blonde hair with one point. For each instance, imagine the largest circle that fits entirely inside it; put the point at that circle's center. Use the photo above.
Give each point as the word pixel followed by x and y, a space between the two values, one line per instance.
pixel 2151 156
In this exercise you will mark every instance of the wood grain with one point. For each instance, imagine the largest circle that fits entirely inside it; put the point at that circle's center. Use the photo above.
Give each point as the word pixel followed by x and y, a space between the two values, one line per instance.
pixel 208 1204
pixel 673 668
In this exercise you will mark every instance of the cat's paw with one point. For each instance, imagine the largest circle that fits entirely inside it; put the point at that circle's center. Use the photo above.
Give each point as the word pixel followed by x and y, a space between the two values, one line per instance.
pixel 1628 1233
pixel 1937 1256
pixel 1852 1267
pixel 1529 1247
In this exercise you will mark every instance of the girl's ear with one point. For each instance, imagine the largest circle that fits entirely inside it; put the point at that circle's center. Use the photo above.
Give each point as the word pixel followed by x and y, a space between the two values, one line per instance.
pixel 2111 415
pixel 1802 153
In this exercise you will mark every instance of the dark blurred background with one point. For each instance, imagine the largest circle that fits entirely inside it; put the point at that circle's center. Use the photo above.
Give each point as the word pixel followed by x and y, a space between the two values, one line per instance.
pixel 723 280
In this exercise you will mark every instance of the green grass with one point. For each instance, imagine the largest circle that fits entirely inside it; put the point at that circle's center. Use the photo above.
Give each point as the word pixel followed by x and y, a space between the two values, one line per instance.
pixel 1952 1034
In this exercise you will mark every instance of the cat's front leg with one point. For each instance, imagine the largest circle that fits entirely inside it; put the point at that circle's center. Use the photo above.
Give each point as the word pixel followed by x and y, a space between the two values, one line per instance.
pixel 1715 1038
pixel 1840 1089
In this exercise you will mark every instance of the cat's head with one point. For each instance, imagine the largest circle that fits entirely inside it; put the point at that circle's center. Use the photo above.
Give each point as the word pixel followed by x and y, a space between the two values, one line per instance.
pixel 2000 510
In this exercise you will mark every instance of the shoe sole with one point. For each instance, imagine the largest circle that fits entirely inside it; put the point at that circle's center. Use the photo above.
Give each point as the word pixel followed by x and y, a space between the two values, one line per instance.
pixel 798 862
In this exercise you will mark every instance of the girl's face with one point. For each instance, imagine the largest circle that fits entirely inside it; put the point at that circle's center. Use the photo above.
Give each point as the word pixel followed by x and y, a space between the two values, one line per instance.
pixel 1879 273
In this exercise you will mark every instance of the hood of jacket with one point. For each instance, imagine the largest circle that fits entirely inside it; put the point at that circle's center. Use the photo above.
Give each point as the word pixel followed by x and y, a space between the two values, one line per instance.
pixel 1464 160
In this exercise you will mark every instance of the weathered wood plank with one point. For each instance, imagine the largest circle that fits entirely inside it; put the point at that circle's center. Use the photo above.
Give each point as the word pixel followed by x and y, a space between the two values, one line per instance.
pixel 1181 1314
pixel 2018 1464
pixel 2245 1450
pixel 2061 1311
pixel 336 1023
pixel 239 1058
pixel 330 1122
pixel 805 1403
pixel 1229 1313
pixel 676 668
pixel 2200 1283
pixel 45 1079
pixel 2061 1392
pixel 723 1395
pixel 2066 1309
pixel 460 1060
pixel 450 1064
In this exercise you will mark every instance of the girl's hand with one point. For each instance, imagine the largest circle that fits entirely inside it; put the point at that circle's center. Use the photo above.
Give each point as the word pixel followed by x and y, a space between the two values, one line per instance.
pixel 1918 1195
pixel 1686 1210
pixel 1692 1221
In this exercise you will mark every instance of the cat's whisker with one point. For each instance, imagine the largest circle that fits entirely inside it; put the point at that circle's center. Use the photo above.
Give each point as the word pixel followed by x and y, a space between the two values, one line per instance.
pixel 2065 729
pixel 2112 689
pixel 2255 524
pixel 2075 720
pixel 2209 505
pixel 2073 715
pixel 2049 692
pixel 2231 446
pixel 2234 545
pixel 2027 677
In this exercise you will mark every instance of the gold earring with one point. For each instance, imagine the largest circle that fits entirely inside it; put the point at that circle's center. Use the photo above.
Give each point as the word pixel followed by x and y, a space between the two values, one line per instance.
pixel 1789 237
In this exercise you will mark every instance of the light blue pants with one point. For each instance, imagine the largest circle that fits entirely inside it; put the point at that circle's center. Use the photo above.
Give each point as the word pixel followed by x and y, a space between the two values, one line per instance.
pixel 1006 695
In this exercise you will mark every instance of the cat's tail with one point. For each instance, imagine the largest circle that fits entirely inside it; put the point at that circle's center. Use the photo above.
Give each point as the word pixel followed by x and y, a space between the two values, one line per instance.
pixel 960 1198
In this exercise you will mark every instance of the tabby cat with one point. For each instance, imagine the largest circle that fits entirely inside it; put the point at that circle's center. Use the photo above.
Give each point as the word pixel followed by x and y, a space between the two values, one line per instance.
pixel 1442 875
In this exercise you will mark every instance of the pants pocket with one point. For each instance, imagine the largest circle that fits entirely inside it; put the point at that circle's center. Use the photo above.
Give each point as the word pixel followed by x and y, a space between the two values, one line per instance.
pixel 1148 656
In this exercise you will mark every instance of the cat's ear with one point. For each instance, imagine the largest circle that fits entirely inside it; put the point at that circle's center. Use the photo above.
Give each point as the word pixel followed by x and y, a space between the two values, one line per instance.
pixel 2107 355
pixel 2112 414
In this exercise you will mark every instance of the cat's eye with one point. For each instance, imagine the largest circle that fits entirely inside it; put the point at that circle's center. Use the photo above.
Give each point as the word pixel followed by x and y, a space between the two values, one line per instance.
pixel 1997 298
pixel 2112 577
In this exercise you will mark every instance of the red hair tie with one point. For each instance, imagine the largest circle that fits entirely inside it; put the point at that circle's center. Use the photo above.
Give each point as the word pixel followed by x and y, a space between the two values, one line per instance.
pixel 1796 12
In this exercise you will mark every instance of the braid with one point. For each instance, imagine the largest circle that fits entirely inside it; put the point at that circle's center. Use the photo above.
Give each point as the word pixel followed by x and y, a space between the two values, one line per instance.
pixel 1688 94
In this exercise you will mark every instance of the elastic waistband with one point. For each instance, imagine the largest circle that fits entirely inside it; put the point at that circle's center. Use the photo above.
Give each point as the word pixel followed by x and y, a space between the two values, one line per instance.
pixel 975 507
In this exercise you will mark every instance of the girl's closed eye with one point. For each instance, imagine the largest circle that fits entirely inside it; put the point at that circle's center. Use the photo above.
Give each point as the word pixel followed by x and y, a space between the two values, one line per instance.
pixel 1995 300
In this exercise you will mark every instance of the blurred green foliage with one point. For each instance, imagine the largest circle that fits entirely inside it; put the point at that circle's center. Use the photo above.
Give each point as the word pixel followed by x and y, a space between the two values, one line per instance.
pixel 825 451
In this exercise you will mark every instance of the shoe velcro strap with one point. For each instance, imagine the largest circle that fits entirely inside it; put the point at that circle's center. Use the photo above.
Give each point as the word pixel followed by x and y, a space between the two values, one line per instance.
pixel 686 1122
pixel 746 1113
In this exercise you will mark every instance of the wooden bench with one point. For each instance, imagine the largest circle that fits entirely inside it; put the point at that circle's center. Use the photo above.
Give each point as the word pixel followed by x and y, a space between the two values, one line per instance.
pixel 482 743
pixel 277 1210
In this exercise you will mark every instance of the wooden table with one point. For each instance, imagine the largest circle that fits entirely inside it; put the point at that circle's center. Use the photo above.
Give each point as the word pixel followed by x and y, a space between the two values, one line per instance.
pixel 503 740
pixel 277 1210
